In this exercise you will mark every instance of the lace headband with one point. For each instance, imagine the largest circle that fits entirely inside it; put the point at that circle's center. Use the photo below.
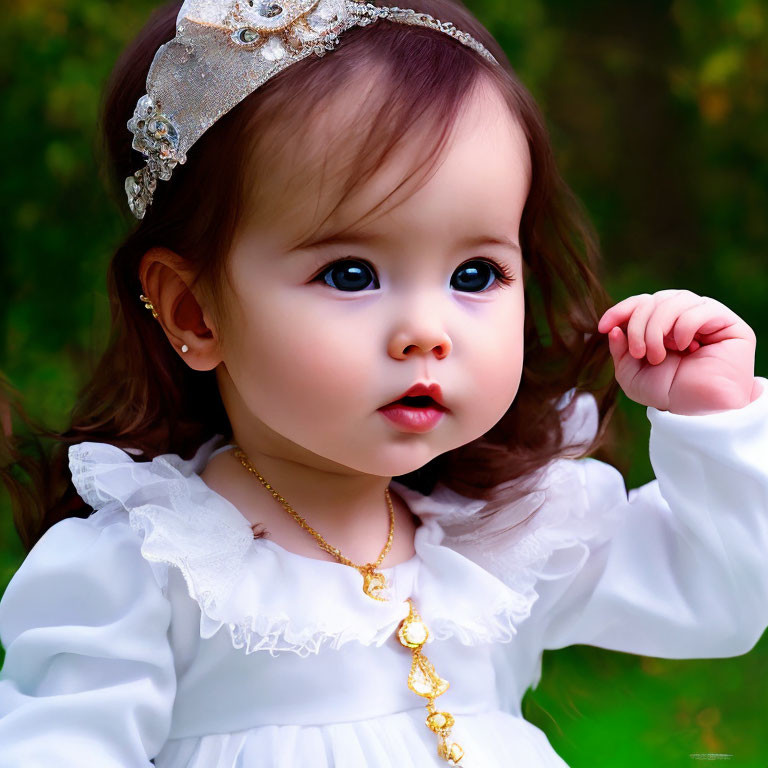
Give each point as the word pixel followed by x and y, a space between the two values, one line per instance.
pixel 224 50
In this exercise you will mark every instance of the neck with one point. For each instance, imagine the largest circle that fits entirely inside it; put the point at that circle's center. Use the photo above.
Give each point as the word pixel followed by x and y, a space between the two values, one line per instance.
pixel 348 510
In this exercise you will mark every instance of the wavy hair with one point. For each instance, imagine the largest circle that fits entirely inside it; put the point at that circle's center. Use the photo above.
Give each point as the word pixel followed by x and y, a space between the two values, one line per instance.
pixel 142 395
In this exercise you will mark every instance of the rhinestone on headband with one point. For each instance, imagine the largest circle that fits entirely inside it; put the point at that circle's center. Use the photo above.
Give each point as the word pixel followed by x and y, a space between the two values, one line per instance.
pixel 224 50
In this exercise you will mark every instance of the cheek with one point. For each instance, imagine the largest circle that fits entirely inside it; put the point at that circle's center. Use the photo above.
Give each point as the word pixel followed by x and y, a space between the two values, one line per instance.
pixel 495 364
pixel 305 368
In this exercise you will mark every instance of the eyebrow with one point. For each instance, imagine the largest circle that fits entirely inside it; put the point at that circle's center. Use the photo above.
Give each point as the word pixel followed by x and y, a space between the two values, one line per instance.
pixel 368 239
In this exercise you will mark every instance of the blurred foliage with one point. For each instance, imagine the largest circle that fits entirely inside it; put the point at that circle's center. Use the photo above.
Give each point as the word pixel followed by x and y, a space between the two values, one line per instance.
pixel 659 115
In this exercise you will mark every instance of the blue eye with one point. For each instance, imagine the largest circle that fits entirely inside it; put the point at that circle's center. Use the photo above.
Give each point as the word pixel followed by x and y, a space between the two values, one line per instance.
pixel 477 276
pixel 470 276
pixel 347 275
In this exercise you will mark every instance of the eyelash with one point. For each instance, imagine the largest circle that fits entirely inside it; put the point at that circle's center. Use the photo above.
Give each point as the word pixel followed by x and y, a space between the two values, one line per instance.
pixel 504 278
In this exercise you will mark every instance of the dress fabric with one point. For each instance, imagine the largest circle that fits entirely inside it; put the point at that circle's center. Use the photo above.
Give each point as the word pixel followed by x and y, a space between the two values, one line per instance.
pixel 158 631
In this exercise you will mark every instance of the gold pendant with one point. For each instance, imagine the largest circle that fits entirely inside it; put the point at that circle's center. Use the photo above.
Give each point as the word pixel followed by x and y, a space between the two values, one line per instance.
pixel 374 584
pixel 451 753
pixel 423 679
pixel 413 632
pixel 440 722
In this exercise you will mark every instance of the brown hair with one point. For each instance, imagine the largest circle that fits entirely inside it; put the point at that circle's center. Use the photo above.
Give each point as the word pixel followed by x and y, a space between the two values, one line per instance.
pixel 142 394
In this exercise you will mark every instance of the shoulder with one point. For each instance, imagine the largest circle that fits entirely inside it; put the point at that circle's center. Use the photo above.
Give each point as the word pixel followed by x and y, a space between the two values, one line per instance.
pixel 82 544
pixel 86 572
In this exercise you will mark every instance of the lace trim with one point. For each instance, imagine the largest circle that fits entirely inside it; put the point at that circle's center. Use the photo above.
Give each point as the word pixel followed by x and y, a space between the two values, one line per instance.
pixel 184 523
pixel 519 556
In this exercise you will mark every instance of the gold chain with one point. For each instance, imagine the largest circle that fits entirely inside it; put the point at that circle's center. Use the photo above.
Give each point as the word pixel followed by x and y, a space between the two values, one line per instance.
pixel 373 583
pixel 412 632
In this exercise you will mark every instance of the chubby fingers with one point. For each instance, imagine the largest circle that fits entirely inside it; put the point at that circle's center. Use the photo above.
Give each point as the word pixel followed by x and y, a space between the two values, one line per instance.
pixel 635 311
pixel 620 312
pixel 663 319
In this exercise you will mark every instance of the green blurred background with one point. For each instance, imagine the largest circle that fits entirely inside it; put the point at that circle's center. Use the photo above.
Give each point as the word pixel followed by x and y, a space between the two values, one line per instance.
pixel 659 115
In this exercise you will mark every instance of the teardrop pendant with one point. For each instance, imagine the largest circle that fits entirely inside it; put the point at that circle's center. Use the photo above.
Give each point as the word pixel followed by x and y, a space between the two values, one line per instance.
pixel 423 679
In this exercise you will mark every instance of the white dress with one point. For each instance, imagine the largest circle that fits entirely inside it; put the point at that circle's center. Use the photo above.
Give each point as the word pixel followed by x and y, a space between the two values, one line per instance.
pixel 158 630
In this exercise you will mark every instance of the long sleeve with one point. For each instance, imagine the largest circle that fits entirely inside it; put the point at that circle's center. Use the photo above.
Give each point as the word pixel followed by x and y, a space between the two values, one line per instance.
pixel 683 572
pixel 89 675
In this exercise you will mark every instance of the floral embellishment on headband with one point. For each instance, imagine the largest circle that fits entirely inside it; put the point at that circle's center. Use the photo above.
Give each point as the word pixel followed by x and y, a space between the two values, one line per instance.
pixel 155 136
pixel 295 26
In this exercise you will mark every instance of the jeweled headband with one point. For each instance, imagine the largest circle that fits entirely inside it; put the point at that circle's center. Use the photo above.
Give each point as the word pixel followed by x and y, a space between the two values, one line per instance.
pixel 223 51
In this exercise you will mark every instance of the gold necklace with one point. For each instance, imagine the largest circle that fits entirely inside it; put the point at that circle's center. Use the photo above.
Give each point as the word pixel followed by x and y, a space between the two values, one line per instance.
pixel 412 632
pixel 374 583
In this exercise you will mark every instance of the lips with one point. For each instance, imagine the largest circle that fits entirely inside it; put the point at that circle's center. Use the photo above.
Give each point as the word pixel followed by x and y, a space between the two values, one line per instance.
pixel 431 391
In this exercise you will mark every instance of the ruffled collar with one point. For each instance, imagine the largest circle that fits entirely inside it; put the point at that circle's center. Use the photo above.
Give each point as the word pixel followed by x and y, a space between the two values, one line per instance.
pixel 268 597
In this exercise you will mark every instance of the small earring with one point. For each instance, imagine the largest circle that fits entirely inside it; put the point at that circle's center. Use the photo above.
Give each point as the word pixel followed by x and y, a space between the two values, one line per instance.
pixel 148 304
pixel 184 348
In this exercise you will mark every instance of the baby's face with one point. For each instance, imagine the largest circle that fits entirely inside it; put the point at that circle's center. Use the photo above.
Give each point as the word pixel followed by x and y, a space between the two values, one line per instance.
pixel 312 353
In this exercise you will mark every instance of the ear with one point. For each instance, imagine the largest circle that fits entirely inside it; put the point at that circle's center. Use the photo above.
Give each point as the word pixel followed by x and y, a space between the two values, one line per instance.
pixel 165 278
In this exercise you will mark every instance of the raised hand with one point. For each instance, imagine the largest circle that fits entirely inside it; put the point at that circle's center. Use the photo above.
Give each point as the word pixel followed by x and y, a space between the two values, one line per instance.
pixel 680 352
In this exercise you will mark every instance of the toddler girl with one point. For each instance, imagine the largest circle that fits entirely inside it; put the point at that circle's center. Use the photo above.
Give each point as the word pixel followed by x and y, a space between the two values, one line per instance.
pixel 327 498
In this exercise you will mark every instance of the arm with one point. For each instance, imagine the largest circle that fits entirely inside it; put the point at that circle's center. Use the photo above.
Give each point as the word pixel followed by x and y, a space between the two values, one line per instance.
pixel 88 677
pixel 684 571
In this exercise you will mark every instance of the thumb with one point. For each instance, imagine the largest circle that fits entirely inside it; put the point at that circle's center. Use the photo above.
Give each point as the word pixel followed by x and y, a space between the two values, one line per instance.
pixel 626 367
pixel 617 343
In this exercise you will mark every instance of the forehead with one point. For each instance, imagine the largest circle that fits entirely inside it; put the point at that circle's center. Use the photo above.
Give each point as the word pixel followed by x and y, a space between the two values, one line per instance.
pixel 479 177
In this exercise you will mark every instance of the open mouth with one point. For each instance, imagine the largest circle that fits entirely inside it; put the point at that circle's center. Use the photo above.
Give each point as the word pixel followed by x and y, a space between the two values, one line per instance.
pixel 420 413
pixel 423 401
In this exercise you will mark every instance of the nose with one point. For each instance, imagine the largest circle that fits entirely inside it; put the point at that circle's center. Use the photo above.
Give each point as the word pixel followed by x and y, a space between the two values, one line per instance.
pixel 425 338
